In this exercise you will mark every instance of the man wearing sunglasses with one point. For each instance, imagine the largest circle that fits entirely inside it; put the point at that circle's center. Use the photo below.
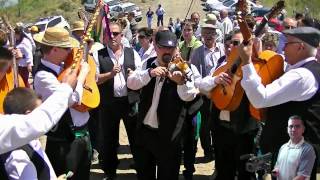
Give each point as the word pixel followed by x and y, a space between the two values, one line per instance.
pixel 117 101
pixel 288 23
pixel 296 91
pixel 161 108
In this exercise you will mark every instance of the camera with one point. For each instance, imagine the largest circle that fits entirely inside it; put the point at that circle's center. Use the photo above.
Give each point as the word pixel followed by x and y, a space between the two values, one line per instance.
pixel 256 163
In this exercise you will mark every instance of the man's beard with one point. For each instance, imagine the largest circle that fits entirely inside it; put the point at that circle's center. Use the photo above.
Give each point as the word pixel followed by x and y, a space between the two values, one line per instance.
pixel 166 58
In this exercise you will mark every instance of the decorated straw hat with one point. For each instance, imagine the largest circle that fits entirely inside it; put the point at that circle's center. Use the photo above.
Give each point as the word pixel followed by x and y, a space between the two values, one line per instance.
pixel 77 26
pixel 57 37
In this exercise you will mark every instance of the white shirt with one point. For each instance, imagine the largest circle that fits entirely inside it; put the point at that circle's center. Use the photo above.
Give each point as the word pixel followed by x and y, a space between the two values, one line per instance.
pixel 18 130
pixel 211 56
pixel 296 84
pixel 227 26
pixel 147 54
pixel 25 47
pixel 45 83
pixel 205 87
pixel 119 85
pixel 19 166
pixel 140 78
pixel 160 11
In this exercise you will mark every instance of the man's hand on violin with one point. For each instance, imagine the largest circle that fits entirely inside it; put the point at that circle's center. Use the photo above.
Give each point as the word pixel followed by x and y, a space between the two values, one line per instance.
pixel 223 79
pixel 177 77
pixel 159 71
pixel 116 69
pixel 245 52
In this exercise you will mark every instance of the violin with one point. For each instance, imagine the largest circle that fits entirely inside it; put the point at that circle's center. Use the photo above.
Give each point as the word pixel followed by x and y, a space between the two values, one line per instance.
pixel 177 63
pixel 91 94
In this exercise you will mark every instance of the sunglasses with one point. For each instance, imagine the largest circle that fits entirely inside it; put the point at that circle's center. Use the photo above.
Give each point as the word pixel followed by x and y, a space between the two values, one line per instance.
pixel 235 42
pixel 141 36
pixel 115 33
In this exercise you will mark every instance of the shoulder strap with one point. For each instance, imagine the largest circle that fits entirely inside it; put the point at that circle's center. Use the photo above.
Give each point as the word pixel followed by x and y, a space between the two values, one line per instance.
pixel 202 63
pixel 43 171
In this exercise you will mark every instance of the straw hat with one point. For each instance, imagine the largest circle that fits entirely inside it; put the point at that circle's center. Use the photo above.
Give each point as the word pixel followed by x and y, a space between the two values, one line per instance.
pixel 57 37
pixel 210 17
pixel 34 29
pixel 77 26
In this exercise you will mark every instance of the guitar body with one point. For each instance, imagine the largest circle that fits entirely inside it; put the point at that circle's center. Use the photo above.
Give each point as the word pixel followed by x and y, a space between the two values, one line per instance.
pixel 269 67
pixel 6 85
pixel 229 97
pixel 91 94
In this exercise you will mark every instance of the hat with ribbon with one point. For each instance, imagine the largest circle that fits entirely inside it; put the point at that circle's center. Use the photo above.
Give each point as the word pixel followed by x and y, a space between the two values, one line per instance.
pixel 77 26
pixel 57 37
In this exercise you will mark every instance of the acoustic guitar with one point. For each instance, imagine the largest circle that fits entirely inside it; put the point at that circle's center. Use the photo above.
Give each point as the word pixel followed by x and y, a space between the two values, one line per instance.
pixel 268 65
pixel 91 94
pixel 11 79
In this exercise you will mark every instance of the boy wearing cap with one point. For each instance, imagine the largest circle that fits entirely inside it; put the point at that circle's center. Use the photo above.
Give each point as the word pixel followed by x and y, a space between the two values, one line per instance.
pixel 68 144
pixel 297 90
pixel 163 95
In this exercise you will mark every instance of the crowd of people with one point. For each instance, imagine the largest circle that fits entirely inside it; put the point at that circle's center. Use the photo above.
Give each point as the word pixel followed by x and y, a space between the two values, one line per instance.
pixel 164 107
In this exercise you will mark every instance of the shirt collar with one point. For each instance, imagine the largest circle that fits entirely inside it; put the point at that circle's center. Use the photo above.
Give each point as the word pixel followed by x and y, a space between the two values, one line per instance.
pixel 216 48
pixel 300 63
pixel 52 66
pixel 295 145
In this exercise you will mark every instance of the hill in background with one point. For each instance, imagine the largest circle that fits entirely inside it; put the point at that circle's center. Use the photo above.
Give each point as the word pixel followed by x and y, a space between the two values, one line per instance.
pixel 28 11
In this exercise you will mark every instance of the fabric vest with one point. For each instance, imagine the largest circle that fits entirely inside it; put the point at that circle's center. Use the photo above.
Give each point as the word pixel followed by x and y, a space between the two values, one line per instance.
pixel 106 65
pixel 43 171
pixel 275 134
pixel 63 130
pixel 169 107
pixel 240 122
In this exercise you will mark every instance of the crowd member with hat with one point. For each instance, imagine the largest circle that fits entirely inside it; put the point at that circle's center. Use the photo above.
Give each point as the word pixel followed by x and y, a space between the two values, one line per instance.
pixel 161 114
pixel 212 19
pixel 77 30
pixel 270 41
pixel 295 92
pixel 68 144
pixel 118 101
pixel 145 39
pixel 206 58
pixel 190 42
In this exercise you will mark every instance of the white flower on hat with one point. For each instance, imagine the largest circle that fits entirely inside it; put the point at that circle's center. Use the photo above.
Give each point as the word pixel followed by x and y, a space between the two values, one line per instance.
pixel 170 43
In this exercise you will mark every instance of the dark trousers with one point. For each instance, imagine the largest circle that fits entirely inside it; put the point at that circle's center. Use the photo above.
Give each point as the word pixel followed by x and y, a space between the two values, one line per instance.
pixel 189 147
pixel 160 20
pixel 206 138
pixel 109 117
pixel 70 156
pixel 228 147
pixel 24 73
pixel 152 152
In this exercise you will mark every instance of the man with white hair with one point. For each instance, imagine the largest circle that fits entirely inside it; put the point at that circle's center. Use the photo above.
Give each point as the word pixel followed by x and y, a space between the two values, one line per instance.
pixel 297 90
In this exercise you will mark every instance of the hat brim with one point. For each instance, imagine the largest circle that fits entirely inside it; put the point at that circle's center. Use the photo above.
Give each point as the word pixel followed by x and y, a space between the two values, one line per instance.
pixel 68 44
pixel 77 29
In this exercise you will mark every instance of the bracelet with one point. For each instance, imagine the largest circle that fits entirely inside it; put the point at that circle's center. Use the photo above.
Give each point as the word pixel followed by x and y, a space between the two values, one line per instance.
pixel 149 72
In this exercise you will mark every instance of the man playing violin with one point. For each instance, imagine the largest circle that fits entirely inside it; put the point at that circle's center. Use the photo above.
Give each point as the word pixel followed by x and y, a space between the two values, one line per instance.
pixel 295 92
pixel 68 144
pixel 163 97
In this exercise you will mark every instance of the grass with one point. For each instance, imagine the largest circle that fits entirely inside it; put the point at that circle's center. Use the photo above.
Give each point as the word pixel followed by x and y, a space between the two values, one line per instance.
pixel 293 6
